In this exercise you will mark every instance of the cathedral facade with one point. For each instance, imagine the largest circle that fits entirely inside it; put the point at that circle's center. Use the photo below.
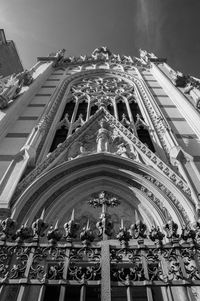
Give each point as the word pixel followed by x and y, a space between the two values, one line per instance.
pixel 100 180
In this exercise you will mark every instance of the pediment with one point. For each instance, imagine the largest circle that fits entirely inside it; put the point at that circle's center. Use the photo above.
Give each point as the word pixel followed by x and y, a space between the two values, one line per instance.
pixel 111 137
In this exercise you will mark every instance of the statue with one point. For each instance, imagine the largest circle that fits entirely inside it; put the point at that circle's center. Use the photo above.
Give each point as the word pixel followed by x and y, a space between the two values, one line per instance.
pixel 13 86
pixel 122 151
pixel 194 92
pixel 179 79
pixel 103 137
pixel 10 91
pixel 82 151
pixel 101 52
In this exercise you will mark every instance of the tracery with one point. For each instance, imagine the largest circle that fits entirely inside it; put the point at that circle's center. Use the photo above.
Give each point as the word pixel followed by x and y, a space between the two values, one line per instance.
pixel 115 94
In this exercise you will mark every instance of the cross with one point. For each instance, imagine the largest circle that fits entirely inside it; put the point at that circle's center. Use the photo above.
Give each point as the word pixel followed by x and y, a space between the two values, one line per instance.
pixel 104 224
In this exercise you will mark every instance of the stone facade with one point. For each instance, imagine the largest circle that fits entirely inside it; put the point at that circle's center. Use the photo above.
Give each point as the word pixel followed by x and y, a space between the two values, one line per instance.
pixel 99 169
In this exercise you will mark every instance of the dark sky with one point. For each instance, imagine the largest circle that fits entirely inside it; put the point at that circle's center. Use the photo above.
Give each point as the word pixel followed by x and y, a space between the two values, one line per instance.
pixel 169 28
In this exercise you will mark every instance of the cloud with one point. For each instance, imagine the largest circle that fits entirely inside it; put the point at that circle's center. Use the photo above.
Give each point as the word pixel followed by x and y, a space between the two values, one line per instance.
pixel 149 22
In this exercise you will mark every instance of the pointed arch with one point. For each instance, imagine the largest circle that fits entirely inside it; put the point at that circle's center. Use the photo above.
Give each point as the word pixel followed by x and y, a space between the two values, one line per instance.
pixel 70 183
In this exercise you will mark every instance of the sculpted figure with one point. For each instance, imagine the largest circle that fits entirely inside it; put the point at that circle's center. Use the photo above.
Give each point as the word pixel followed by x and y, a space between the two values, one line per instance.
pixel 122 150
pixel 103 138
pixel 10 91
pixel 13 86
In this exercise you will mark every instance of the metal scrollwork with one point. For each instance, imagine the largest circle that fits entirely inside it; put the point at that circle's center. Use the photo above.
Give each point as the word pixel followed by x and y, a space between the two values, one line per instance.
pixel 126 265
pixel 6 254
pixel 37 270
pixel 154 265
pixel 188 255
pixel 84 264
pixel 173 264
pixel 55 271
pixel 18 268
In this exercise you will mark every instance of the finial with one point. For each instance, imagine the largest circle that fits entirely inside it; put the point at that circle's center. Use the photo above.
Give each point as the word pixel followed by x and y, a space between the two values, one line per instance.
pixel 88 225
pixel 13 213
pixel 137 220
pixel 56 225
pixel 42 214
pixel 26 223
pixel 122 223
pixel 73 215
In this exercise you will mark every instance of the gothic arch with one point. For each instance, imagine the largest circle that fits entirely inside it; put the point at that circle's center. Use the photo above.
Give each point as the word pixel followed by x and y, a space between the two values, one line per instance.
pixel 140 90
pixel 70 183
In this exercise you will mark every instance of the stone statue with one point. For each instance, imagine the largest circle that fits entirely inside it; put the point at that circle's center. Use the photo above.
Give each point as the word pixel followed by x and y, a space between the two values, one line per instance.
pixel 13 86
pixel 10 91
pixel 101 52
pixel 122 151
pixel 194 93
pixel 103 138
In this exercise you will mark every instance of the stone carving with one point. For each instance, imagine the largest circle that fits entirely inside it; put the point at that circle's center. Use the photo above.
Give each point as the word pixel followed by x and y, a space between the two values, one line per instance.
pixel 25 78
pixel 168 193
pixel 12 86
pixel 193 89
pixel 101 52
pixel 101 55
pixel 64 122
pixel 140 123
pixel 127 124
pixel 140 147
pixel 147 57
pixel 101 91
pixel 190 83
pixel 122 151
pixel 195 94
pixel 59 57
pixel 103 138
pixel 178 78
pixel 78 123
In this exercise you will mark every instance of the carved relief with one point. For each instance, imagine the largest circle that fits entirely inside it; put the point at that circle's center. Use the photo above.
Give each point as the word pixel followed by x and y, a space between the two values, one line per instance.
pixel 10 87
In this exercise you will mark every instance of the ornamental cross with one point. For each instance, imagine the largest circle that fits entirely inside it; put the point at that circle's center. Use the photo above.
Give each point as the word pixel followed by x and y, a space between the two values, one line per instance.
pixel 104 201
pixel 104 225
